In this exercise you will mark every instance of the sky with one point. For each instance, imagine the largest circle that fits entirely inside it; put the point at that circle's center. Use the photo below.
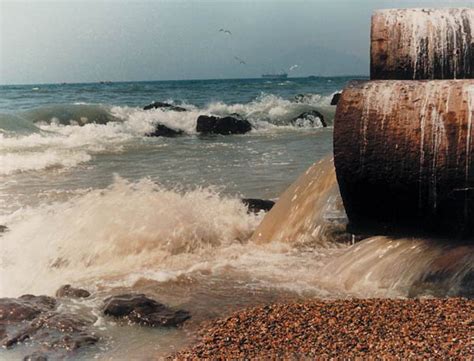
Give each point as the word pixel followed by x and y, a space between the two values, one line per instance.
pixel 118 40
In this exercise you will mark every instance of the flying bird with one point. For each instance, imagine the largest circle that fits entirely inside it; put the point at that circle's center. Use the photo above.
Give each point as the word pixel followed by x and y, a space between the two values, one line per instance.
pixel 293 67
pixel 240 60
pixel 225 31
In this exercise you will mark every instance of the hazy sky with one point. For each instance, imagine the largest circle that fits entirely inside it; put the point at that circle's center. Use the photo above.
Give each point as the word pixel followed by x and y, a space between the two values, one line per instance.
pixel 85 41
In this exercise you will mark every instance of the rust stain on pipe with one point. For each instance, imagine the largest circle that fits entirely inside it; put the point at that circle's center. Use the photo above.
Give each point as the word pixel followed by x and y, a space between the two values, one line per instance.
pixel 403 152
pixel 422 44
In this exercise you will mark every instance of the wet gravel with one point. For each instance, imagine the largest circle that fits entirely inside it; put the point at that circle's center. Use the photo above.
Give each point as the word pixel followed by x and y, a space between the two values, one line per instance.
pixel 381 328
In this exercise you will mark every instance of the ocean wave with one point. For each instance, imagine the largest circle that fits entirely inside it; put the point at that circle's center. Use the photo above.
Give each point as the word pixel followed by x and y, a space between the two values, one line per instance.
pixel 12 163
pixel 15 124
pixel 105 232
pixel 70 114
pixel 56 145
pixel 89 129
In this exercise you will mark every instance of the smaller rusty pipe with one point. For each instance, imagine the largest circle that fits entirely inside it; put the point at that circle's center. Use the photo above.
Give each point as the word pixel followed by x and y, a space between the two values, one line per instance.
pixel 422 44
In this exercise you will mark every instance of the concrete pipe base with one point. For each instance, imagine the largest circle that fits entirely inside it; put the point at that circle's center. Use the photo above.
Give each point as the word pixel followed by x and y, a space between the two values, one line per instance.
pixel 403 153
pixel 422 44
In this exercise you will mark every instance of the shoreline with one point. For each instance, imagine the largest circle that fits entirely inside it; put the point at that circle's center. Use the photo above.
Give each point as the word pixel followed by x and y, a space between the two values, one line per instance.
pixel 374 328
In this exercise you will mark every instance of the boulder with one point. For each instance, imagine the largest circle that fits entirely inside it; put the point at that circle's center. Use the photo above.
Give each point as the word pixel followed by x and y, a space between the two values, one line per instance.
pixel 37 318
pixel 335 98
pixel 24 308
pixel 139 309
pixel 225 126
pixel 309 117
pixel 256 205
pixel 163 131
pixel 164 106
pixel 3 228
pixel 71 292
pixel 55 331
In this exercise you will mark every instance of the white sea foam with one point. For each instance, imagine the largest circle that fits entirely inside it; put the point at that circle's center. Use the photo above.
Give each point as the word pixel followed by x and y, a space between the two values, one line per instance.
pixel 82 130
pixel 128 226
pixel 12 163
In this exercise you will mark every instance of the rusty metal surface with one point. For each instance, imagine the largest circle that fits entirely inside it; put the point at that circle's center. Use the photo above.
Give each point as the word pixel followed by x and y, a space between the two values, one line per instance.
pixel 422 44
pixel 404 155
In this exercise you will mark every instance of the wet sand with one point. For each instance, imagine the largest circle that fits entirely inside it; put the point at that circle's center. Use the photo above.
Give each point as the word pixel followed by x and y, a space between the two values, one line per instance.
pixel 366 328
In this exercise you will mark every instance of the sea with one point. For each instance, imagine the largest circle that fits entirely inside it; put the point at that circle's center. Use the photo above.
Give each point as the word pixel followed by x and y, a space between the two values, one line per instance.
pixel 89 199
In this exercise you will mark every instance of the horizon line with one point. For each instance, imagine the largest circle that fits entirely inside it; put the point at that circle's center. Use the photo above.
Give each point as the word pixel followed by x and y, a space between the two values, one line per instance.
pixel 175 80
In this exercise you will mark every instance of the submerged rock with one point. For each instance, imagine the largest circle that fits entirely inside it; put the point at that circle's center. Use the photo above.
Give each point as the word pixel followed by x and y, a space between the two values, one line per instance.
pixel 164 106
pixel 256 205
pixel 303 98
pixel 24 308
pixel 308 118
pixel 335 98
pixel 137 308
pixel 227 125
pixel 163 131
pixel 37 318
pixel 69 291
pixel 36 356
pixel 55 331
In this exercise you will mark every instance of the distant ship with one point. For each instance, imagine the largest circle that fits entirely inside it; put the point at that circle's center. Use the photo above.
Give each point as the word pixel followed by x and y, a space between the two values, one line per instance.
pixel 275 76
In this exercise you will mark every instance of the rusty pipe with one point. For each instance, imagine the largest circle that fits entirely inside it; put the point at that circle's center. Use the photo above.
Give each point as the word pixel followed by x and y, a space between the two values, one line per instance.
pixel 422 44
pixel 403 152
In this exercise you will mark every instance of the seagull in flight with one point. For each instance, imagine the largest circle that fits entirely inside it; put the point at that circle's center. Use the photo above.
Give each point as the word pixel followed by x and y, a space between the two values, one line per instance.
pixel 225 31
pixel 240 60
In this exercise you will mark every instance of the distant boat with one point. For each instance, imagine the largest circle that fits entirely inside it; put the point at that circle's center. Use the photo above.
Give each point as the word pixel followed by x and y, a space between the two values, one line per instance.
pixel 275 76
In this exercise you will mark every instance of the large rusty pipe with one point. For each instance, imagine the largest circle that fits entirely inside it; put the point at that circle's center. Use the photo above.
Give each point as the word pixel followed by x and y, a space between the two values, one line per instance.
pixel 422 44
pixel 404 155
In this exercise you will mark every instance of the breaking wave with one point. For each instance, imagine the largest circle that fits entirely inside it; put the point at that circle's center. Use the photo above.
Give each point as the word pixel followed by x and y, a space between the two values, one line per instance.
pixel 12 163
pixel 67 135
pixel 127 226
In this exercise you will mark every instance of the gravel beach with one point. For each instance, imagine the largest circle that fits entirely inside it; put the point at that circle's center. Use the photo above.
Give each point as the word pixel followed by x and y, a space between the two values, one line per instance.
pixel 367 328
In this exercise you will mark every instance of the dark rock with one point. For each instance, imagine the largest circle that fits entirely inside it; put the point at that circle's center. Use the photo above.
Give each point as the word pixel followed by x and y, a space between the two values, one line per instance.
pixel 36 356
pixel 225 126
pixel 302 98
pixel 35 318
pixel 3 228
pixel 137 308
pixel 55 331
pixel 163 131
pixel 72 343
pixel 24 308
pixel 309 116
pixel 164 106
pixel 257 205
pixel 335 98
pixel 69 291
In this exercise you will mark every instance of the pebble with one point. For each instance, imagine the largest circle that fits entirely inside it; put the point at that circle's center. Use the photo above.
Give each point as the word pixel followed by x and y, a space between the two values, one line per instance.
pixel 354 328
